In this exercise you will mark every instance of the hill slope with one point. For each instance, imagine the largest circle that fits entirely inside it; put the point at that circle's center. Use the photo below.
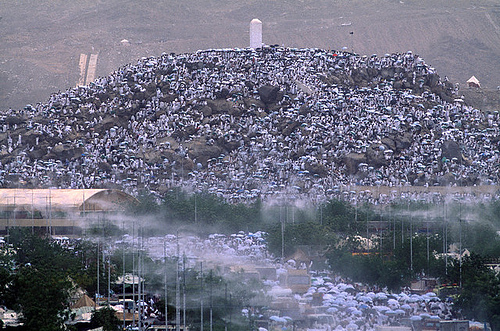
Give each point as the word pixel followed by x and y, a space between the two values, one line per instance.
pixel 246 123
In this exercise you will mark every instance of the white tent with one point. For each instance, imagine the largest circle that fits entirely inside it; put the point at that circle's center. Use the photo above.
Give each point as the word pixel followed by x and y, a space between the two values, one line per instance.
pixel 473 82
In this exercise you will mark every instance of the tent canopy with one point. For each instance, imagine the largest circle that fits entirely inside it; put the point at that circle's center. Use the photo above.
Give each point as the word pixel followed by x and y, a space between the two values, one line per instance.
pixel 65 199
pixel 84 301
pixel 473 82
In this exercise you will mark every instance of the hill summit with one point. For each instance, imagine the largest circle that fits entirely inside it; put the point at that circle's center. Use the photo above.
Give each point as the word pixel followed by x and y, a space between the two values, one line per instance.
pixel 247 123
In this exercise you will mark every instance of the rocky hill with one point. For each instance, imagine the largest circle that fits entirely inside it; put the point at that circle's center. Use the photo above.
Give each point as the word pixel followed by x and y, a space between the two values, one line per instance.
pixel 244 123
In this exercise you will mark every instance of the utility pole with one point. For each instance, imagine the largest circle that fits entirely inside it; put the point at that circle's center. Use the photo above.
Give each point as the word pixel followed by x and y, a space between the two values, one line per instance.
pixel 411 239
pixel 201 297
pixel 109 279
pixel 177 291
pixel 139 274
pixel 184 291
pixel 211 301
pixel 98 271
pixel 165 282
pixel 225 304
pixel 282 234
pixel 123 278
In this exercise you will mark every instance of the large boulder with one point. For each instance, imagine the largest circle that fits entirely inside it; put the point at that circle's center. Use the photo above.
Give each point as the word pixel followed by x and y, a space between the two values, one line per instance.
pixel 289 128
pixel 446 179
pixel 432 80
pixel 185 164
pixel 270 94
pixel 201 152
pixel 11 120
pixel 451 149
pixel 304 109
pixel 153 156
pixel 228 146
pixel 253 103
pixel 398 142
pixel 317 169
pixel 375 157
pixel 38 153
pixel 222 94
pixel 390 143
pixel 403 141
pixel 334 79
pixel 360 75
pixel 104 166
pixel 387 73
pixel 109 122
pixel 220 106
pixel 207 111
pixel 352 160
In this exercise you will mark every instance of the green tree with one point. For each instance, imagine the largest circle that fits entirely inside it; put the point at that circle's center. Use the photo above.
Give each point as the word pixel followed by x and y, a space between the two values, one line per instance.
pixel 479 297
pixel 7 267
pixel 339 216
pixel 350 260
pixel 294 235
pixel 42 282
pixel 147 204
pixel 105 318
pixel 86 253
pixel 43 297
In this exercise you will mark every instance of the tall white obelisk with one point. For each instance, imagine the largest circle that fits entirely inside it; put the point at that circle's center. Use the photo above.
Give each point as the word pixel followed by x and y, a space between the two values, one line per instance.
pixel 255 33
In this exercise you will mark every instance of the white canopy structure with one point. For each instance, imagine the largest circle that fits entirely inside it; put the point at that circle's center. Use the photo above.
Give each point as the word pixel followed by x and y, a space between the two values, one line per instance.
pixel 57 208
pixel 473 82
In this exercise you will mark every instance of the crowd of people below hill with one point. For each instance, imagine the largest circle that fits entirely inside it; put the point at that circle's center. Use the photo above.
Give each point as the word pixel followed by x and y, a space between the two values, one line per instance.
pixel 138 128
pixel 352 306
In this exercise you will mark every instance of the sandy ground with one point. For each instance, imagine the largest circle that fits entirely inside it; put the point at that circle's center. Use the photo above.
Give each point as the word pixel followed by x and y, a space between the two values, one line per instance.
pixel 41 40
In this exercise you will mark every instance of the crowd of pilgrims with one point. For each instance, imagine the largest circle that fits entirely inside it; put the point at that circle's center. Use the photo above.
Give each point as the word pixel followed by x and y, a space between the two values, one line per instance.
pixel 315 125
pixel 353 305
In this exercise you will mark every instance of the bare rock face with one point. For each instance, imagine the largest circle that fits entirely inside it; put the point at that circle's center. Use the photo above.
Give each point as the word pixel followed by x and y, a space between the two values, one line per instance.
pixel 220 106
pixel 317 169
pixel 270 94
pixel 201 152
pixel 259 126
pixel 375 157
pixel 403 141
pixel 451 149
pixel 352 160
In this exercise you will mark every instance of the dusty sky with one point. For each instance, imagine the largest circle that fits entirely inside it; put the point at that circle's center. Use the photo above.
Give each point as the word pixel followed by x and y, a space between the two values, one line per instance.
pixel 41 40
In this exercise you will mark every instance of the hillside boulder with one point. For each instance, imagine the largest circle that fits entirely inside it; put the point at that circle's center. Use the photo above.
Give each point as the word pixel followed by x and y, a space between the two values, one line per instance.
pixel 352 160
pixel 201 152
pixel 270 94
pixel 451 149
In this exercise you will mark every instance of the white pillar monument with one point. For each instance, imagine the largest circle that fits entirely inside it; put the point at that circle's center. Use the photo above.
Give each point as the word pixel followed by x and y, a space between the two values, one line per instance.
pixel 255 33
